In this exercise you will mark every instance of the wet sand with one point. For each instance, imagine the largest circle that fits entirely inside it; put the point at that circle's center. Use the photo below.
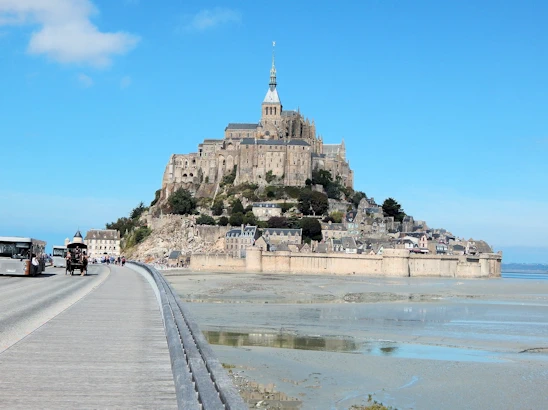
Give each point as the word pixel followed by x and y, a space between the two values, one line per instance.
pixel 330 341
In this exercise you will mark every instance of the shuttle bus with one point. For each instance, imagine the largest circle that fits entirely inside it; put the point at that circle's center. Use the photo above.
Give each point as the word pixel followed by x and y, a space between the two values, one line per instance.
pixel 59 256
pixel 16 255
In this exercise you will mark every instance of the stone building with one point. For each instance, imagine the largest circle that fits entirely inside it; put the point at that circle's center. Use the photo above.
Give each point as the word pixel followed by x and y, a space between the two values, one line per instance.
pixel 281 148
pixel 266 210
pixel 103 242
pixel 238 239
pixel 276 236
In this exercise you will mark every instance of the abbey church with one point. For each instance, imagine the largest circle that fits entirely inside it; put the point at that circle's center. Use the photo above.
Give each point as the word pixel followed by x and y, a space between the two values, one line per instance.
pixel 282 149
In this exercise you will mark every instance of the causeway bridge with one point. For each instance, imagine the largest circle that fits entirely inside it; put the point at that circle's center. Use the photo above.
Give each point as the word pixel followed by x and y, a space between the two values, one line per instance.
pixel 118 337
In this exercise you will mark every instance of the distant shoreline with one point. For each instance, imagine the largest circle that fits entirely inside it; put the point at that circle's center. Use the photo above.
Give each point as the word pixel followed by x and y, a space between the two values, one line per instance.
pixel 532 271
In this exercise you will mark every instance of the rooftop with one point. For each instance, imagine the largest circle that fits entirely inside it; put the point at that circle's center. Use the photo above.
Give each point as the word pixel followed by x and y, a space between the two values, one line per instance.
pixel 241 126
pixel 253 141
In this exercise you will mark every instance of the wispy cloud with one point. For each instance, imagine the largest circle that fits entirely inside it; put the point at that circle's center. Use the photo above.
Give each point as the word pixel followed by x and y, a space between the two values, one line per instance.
pixel 210 18
pixel 85 80
pixel 66 34
pixel 125 82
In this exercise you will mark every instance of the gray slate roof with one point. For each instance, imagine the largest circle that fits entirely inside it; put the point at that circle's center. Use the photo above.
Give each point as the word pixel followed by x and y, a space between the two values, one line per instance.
pixel 265 205
pixel 286 232
pixel 111 234
pixel 241 126
pixel 237 232
pixel 174 255
pixel 252 141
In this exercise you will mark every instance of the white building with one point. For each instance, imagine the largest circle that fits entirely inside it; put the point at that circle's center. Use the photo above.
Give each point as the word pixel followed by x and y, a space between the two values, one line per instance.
pixel 103 242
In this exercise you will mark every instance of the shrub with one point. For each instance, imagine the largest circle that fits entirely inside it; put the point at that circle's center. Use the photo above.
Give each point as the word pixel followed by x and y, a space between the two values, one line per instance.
pixel 236 219
pixel 237 207
pixel 205 220
pixel 217 208
pixel 277 222
pixel 312 230
pixel 181 202
pixel 156 197
pixel 141 234
pixel 223 221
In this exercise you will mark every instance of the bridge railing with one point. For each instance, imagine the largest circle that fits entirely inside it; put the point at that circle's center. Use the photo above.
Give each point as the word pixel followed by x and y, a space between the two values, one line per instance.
pixel 201 382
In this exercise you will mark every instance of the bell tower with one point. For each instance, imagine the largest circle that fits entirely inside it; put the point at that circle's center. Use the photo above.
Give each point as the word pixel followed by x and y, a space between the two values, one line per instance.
pixel 271 106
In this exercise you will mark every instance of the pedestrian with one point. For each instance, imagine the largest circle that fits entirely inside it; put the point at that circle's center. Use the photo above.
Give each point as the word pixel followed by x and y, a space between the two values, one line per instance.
pixel 34 265
pixel 123 260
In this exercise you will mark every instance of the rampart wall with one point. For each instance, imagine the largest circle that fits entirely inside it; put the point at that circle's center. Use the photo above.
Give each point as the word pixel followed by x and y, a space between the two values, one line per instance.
pixel 394 262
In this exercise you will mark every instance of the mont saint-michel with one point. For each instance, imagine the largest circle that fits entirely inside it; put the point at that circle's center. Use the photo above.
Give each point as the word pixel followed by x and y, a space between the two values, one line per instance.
pixel 272 196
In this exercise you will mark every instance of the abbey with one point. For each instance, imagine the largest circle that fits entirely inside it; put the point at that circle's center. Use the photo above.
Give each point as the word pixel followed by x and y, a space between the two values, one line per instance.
pixel 282 149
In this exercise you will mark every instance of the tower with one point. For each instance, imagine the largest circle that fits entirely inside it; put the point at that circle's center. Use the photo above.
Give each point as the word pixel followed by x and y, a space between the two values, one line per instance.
pixel 271 106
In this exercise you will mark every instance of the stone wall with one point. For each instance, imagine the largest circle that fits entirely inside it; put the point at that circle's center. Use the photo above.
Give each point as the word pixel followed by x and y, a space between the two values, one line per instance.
pixel 394 262
pixel 217 263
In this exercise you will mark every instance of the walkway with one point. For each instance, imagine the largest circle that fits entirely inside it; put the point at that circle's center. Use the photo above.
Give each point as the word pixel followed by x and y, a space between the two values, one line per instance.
pixel 108 350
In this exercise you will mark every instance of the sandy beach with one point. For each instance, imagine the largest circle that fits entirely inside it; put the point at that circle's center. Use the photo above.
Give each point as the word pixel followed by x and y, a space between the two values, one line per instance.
pixel 328 342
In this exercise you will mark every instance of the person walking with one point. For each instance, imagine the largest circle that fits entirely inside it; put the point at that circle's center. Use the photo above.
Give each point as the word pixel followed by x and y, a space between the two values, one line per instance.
pixel 123 260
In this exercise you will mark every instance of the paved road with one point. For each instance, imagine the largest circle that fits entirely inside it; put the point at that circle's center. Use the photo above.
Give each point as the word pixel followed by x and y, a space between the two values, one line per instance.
pixel 83 342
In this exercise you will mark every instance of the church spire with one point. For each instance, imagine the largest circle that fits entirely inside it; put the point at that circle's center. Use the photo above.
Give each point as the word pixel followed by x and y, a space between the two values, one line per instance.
pixel 273 70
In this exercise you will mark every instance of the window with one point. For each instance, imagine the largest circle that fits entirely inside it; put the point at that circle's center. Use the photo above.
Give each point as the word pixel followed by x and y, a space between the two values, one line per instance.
pixel 266 111
pixel 274 112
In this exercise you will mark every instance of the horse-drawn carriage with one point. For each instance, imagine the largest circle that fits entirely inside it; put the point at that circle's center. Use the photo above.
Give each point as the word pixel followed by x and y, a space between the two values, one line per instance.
pixel 76 258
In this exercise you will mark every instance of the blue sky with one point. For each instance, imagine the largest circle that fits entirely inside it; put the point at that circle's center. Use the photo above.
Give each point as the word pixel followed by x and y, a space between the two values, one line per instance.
pixel 442 105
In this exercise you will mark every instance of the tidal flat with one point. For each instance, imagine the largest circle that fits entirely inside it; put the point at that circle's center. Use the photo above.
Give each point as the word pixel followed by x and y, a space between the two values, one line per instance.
pixel 328 342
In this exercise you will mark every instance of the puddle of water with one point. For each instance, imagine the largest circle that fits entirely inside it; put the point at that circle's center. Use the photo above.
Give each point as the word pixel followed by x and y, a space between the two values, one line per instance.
pixel 286 340
pixel 415 351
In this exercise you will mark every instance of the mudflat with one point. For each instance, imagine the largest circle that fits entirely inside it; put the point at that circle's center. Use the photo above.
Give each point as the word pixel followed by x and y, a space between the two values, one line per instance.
pixel 329 342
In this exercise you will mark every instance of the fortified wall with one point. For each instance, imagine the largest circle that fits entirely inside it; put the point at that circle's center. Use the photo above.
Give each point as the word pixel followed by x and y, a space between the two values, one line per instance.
pixel 393 263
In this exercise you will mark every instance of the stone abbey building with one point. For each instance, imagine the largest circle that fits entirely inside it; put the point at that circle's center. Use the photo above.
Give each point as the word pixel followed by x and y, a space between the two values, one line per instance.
pixel 281 149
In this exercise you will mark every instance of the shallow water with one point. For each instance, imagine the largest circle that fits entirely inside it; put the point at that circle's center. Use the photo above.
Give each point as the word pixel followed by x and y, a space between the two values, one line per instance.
pixel 414 342
pixel 284 340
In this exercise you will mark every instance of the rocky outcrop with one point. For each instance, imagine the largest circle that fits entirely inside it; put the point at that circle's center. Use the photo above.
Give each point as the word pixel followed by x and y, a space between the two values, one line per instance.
pixel 178 233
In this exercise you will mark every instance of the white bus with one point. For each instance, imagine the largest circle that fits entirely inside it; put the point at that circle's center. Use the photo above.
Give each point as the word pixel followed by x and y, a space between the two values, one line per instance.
pixel 59 254
pixel 16 254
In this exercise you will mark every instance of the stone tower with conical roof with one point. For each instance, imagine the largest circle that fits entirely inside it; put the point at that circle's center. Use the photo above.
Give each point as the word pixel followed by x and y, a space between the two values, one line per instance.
pixel 78 237
pixel 271 106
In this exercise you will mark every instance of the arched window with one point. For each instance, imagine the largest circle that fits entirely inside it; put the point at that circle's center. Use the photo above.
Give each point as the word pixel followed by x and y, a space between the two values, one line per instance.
pixel 270 110
pixel 266 111
pixel 274 110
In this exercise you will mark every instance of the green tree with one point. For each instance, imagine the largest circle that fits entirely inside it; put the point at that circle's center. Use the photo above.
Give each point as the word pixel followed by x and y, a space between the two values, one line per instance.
pixel 313 202
pixel 236 219
pixel 237 207
pixel 181 202
pixel 312 230
pixel 137 211
pixel 223 221
pixel 391 207
pixel 156 197
pixel 279 222
pixel 333 191
pixel 123 225
pixel 357 197
pixel 321 177
pixel 205 220
pixel 249 218
pixel 217 208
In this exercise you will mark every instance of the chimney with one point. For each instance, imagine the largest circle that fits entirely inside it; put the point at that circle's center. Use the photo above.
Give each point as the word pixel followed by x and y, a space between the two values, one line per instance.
pixel 242 229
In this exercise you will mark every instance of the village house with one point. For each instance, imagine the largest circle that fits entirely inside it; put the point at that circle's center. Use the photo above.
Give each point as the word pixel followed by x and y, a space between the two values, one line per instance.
pixel 266 210
pixel 102 242
pixel 238 239
pixel 332 230
pixel 351 224
pixel 275 236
